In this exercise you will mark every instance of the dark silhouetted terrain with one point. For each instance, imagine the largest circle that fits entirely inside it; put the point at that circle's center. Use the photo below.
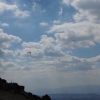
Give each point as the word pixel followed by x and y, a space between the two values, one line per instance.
pixel 13 91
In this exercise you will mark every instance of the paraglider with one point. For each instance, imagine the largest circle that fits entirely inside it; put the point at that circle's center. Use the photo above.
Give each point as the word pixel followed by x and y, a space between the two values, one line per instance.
pixel 73 40
pixel 29 52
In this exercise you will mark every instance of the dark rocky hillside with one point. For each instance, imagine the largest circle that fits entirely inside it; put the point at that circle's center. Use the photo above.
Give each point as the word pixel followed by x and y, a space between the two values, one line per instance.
pixel 13 91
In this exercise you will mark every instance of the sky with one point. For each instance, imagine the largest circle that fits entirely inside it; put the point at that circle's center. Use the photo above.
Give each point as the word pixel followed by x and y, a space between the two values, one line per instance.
pixel 63 37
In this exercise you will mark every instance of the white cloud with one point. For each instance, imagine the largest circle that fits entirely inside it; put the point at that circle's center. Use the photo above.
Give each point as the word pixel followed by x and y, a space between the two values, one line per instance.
pixel 5 7
pixel 53 52
pixel 44 42
pixel 5 24
pixel 6 40
pixel 46 47
pixel 36 7
pixel 56 21
pixel 21 14
pixel 67 2
pixel 43 24
pixel 6 65
pixel 86 34
pixel 72 63
pixel 6 53
pixel 13 8
pixel 50 54
pixel 61 11
pixel 65 63
pixel 86 11
pixel 50 57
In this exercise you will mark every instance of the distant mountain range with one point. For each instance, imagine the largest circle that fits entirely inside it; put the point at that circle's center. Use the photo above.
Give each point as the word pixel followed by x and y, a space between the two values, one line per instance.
pixel 89 96
pixel 80 89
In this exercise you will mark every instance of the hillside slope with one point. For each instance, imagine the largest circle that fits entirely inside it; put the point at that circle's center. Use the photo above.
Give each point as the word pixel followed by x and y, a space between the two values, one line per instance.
pixel 13 91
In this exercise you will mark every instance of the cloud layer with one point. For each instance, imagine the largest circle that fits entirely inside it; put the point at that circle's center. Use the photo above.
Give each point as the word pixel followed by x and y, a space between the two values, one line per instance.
pixel 6 40
pixel 14 9
pixel 86 11
pixel 53 54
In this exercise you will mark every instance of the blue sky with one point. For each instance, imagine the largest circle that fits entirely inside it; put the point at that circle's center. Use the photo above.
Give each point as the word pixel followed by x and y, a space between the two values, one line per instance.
pixel 47 28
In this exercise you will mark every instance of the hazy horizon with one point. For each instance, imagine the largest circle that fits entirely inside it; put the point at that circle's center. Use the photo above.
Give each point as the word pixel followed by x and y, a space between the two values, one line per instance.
pixel 50 43
pixel 78 89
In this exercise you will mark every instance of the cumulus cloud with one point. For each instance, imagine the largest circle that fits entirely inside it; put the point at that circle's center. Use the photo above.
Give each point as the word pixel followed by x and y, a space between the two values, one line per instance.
pixel 6 40
pixel 13 8
pixel 6 53
pixel 50 54
pixel 72 64
pixel 67 63
pixel 43 24
pixel 85 34
pixel 6 65
pixel 53 52
pixel 86 11
pixel 56 21
pixel 21 14
pixel 52 58
pixel 5 7
pixel 45 47
pixel 5 24
pixel 35 53
pixel 45 41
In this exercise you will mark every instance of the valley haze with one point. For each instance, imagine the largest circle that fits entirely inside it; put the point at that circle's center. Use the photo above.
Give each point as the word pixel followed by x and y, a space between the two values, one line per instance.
pixel 79 89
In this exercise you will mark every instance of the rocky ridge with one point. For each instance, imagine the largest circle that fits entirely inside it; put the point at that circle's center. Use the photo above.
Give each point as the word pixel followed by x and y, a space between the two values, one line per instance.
pixel 13 91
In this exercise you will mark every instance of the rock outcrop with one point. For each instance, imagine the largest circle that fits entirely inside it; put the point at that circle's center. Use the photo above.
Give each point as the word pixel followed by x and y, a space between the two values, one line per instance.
pixel 15 89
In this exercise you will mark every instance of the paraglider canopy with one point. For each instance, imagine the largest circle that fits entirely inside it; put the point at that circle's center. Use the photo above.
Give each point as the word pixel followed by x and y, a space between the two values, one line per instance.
pixel 29 52
pixel 73 40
